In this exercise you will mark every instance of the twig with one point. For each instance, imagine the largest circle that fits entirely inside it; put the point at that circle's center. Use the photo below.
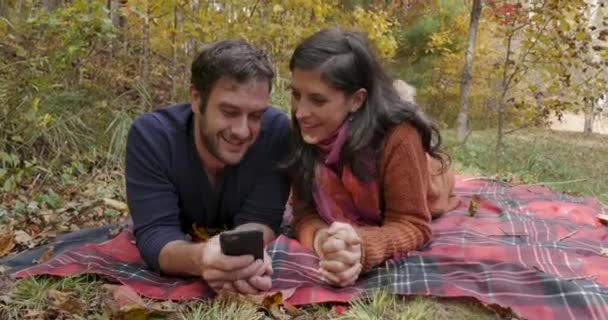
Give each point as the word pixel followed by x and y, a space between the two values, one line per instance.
pixel 568 235
pixel 555 183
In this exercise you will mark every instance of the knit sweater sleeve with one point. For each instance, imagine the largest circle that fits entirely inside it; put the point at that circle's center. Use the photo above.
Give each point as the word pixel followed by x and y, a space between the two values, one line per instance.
pixel 404 183
pixel 306 223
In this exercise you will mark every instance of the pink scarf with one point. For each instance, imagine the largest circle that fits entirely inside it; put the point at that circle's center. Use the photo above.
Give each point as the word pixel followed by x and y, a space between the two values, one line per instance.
pixel 338 194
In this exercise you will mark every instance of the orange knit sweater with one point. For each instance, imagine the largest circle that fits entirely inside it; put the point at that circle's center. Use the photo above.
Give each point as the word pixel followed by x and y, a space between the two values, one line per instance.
pixel 409 193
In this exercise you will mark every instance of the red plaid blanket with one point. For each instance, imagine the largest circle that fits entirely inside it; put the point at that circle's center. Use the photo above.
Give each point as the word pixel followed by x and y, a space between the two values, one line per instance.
pixel 526 248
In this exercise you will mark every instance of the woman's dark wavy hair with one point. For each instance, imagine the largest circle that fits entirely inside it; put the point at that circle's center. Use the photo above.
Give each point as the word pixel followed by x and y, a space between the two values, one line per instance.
pixel 347 63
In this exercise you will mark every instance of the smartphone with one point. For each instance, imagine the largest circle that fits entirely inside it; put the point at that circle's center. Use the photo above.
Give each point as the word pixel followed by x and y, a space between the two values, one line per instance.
pixel 243 242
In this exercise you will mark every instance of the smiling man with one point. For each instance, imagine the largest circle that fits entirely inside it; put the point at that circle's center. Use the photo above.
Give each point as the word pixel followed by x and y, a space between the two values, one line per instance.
pixel 211 163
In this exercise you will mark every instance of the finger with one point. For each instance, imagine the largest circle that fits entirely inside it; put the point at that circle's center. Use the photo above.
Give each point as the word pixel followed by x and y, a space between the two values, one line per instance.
pixel 337 226
pixel 227 286
pixel 334 266
pixel 332 245
pixel 216 285
pixel 344 256
pixel 230 263
pixel 352 272
pixel 349 236
pixel 268 263
pixel 329 277
pixel 263 283
pixel 242 286
pixel 219 275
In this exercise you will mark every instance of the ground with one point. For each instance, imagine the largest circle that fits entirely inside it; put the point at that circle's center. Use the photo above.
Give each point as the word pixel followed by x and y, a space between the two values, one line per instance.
pixel 568 162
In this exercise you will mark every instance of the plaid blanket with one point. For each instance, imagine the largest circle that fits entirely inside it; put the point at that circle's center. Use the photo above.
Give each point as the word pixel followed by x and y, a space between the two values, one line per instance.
pixel 526 248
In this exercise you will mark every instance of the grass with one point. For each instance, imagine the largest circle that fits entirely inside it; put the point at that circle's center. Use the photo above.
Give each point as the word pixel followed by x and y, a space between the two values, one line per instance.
pixel 568 162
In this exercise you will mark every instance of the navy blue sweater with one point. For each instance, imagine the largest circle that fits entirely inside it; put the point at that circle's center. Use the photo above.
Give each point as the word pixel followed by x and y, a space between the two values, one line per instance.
pixel 168 189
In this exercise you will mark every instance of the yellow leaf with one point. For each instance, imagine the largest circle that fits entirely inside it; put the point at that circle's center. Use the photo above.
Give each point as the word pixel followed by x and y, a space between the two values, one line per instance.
pixel 45 256
pixel 115 204
pixel 7 243
pixel 272 300
pixel 474 205
pixel 277 8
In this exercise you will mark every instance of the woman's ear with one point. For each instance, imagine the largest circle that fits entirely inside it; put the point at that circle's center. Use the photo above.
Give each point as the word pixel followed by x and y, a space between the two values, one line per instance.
pixel 357 100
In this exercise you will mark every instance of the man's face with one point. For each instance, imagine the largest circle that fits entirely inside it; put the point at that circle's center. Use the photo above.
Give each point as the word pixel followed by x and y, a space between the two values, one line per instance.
pixel 231 121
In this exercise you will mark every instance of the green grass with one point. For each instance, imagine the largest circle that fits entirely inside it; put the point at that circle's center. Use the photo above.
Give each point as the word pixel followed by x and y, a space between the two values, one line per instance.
pixel 564 161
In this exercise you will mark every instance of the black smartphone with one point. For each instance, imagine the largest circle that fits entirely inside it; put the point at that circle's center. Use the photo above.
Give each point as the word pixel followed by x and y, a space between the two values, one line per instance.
pixel 243 242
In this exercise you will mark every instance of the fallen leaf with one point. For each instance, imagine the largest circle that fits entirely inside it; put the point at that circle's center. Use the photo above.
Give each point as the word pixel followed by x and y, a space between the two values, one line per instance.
pixel 7 243
pixel 22 238
pixel 604 252
pixel 45 256
pixel 65 301
pixel 603 218
pixel 34 315
pixel 124 303
pixel 200 234
pixel 118 205
pixel 120 296
pixel 474 205
pixel 290 308
pixel 272 300
pixel 33 229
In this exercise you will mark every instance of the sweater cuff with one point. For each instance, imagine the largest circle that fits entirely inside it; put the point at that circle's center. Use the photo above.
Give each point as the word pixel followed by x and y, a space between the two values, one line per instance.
pixel 366 242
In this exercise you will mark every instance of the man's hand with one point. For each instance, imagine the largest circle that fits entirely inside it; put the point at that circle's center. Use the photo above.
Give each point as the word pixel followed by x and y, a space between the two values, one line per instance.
pixel 339 248
pixel 219 269
pixel 257 283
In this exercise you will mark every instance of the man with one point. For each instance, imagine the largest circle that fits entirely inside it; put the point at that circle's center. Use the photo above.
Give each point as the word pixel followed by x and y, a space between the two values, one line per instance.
pixel 212 163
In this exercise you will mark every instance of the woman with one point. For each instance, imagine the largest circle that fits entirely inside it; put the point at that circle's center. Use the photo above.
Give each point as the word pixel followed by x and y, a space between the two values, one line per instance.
pixel 366 168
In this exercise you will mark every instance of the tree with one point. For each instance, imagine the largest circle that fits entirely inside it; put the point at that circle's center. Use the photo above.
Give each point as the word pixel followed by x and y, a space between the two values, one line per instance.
pixel 465 85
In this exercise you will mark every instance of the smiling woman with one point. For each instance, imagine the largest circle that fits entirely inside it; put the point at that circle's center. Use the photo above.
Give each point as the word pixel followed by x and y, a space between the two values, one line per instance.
pixel 366 166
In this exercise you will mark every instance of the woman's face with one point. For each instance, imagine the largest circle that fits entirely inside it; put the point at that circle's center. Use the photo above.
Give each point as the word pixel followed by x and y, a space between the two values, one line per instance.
pixel 318 108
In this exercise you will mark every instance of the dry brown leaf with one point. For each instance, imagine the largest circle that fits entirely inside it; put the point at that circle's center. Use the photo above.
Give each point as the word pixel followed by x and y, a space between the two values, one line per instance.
pixel 65 301
pixel 45 256
pixel 119 296
pixel 22 238
pixel 603 218
pixel 115 204
pixel 7 243
pixel 604 252
pixel 34 315
pixel 474 205
pixel 33 229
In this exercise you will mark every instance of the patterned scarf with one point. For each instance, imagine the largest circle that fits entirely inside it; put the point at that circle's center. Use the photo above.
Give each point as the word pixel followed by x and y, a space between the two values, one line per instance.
pixel 338 194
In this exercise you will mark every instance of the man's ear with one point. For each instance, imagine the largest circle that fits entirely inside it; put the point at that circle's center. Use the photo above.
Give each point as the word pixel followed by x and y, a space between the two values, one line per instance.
pixel 195 99
pixel 357 100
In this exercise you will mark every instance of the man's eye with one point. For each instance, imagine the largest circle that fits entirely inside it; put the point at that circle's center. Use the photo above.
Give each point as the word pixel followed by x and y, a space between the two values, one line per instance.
pixel 230 113
pixel 318 102
pixel 295 95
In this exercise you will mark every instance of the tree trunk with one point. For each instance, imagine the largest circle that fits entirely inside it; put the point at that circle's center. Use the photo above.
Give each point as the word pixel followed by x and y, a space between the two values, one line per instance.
pixel 174 49
pixel 145 55
pixel 51 4
pixel 465 83
pixel 502 102
pixel 589 116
